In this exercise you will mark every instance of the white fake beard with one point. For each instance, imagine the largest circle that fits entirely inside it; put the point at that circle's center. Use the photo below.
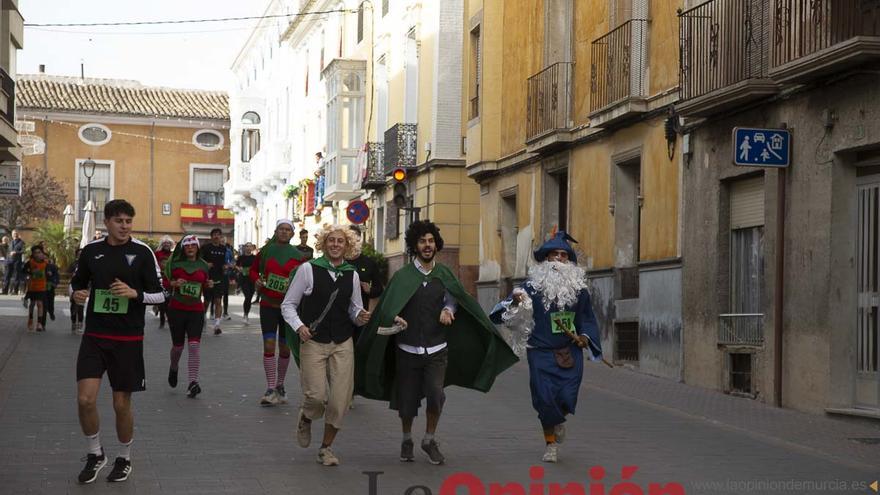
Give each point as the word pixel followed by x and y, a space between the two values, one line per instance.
pixel 557 282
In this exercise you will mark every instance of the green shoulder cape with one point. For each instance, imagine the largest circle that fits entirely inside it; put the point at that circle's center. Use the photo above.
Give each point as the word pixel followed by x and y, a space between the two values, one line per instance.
pixel 477 353
pixel 292 337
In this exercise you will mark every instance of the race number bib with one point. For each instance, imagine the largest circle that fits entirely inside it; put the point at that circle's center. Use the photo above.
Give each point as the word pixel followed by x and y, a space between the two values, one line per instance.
pixel 191 289
pixel 562 322
pixel 106 302
pixel 277 283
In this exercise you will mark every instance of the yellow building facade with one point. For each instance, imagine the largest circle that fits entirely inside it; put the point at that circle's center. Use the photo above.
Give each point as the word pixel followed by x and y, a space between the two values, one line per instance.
pixel 165 151
pixel 413 122
pixel 568 124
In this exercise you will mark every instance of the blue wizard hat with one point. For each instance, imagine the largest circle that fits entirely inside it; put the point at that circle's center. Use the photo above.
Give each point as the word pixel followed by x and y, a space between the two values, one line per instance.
pixel 559 241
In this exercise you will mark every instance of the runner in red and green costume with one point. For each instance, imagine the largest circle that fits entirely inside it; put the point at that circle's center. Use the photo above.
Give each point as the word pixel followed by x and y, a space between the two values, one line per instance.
pixel 271 272
pixel 186 277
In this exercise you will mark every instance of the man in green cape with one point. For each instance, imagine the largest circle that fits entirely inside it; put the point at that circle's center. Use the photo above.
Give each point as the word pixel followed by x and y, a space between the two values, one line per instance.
pixel 426 333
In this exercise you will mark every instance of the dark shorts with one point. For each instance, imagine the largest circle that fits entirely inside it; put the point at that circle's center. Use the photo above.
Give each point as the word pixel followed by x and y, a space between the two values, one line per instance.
pixel 36 295
pixel 185 325
pixel 122 360
pixel 221 286
pixel 418 376
pixel 272 323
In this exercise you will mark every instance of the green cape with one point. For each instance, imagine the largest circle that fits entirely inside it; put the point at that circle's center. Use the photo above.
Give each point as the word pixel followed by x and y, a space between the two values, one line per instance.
pixel 477 353
pixel 293 340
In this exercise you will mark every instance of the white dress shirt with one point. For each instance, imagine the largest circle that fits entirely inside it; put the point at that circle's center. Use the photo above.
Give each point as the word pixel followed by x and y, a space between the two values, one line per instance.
pixel 449 304
pixel 303 284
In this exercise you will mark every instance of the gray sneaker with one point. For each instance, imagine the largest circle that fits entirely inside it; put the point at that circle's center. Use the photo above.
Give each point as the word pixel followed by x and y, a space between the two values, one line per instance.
pixel 303 431
pixel 433 452
pixel 551 454
pixel 559 432
pixel 406 451
pixel 326 457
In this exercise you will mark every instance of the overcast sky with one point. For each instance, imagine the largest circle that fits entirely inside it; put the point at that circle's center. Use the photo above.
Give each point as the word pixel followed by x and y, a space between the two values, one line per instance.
pixel 183 56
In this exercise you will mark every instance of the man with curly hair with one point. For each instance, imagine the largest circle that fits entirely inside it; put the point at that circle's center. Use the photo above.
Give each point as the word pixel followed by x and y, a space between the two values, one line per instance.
pixel 551 318
pixel 427 333
pixel 323 305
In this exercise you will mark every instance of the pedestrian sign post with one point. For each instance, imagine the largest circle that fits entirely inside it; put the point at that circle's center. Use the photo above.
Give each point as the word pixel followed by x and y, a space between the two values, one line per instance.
pixel 10 180
pixel 761 147
pixel 357 212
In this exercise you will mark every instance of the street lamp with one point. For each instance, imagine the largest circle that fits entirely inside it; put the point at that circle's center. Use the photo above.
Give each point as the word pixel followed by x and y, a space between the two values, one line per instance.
pixel 89 171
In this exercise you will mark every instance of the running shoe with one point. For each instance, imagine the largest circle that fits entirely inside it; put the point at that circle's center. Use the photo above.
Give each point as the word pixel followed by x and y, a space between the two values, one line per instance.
pixel 270 398
pixel 559 432
pixel 94 463
pixel 406 451
pixel 227 317
pixel 193 390
pixel 52 315
pixel 121 470
pixel 326 457
pixel 281 394
pixel 246 320
pixel 172 378
pixel 303 431
pixel 551 454
pixel 217 330
pixel 433 451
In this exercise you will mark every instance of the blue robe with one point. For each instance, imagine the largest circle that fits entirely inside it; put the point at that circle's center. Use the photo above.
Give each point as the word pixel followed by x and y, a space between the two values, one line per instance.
pixel 555 389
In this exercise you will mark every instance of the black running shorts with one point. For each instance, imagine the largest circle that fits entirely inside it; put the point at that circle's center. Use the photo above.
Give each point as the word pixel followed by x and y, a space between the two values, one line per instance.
pixel 122 360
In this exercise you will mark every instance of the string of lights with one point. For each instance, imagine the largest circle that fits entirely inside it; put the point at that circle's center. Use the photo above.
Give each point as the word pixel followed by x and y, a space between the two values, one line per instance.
pixel 197 123
pixel 187 21
pixel 145 137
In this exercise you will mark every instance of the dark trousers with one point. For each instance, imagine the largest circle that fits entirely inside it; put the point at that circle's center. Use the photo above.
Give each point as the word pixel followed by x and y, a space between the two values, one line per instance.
pixel 76 312
pixel 420 375
pixel 13 277
pixel 247 288
pixel 49 303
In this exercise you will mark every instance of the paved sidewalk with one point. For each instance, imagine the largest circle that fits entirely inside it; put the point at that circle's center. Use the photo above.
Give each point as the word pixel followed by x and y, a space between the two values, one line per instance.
pixel 223 442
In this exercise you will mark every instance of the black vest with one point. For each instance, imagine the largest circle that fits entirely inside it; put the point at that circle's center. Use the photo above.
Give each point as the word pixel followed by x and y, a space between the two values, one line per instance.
pixel 336 325
pixel 422 315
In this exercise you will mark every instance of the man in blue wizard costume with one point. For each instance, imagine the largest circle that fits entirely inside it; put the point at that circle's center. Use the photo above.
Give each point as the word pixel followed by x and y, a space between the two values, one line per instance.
pixel 551 319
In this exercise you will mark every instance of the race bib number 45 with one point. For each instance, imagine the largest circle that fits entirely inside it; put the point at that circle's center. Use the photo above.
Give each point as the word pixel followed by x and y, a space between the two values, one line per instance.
pixel 277 283
pixel 106 302
pixel 562 322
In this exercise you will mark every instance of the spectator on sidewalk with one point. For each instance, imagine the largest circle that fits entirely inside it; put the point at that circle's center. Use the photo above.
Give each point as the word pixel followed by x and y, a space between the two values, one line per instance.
pixel 14 264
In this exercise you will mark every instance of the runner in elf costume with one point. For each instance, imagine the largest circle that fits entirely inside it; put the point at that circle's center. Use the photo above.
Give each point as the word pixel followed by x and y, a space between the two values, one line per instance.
pixel 186 277
pixel 271 273
pixel 426 333
pixel 551 319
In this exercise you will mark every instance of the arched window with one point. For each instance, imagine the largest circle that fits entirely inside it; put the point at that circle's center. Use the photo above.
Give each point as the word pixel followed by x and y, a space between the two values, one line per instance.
pixel 250 118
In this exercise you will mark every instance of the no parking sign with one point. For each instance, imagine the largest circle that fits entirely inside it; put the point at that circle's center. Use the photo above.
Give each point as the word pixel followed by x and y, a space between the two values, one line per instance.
pixel 357 212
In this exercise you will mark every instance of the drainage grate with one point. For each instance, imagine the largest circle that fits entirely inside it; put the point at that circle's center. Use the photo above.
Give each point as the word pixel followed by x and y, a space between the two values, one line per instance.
pixel 867 440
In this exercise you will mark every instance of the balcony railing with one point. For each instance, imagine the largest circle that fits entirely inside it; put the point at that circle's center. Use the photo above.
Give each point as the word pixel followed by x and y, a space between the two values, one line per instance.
pixel 7 86
pixel 722 42
pixel 617 71
pixel 400 147
pixel 806 27
pixel 375 176
pixel 549 100
pixel 741 329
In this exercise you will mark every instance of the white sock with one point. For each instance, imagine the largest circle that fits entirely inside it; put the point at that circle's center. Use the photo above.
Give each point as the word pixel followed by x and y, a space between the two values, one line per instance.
pixel 428 438
pixel 125 452
pixel 95 443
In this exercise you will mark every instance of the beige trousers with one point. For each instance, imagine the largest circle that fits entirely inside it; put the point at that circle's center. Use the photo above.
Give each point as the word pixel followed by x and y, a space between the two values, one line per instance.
pixel 320 363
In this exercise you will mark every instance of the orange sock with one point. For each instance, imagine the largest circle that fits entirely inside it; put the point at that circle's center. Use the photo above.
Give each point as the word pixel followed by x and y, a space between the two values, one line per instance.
pixel 551 438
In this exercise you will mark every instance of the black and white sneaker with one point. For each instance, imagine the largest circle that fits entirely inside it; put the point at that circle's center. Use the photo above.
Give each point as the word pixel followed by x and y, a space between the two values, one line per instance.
pixel 193 390
pixel 172 378
pixel 94 463
pixel 121 470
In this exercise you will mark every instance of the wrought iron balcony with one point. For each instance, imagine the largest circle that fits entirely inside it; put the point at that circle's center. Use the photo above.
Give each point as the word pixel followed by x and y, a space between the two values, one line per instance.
pixel 400 147
pixel 723 55
pixel 817 37
pixel 549 101
pixel 741 329
pixel 375 176
pixel 617 71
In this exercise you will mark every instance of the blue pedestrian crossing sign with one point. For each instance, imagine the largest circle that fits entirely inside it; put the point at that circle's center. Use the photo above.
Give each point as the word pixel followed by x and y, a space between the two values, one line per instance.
pixel 761 147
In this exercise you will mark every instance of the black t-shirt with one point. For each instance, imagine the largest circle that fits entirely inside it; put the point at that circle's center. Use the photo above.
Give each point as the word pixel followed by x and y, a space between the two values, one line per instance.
pixel 368 271
pixel 133 263
pixel 216 256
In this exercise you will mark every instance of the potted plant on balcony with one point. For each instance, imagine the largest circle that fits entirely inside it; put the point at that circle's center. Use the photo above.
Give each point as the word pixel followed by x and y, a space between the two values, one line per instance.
pixel 291 191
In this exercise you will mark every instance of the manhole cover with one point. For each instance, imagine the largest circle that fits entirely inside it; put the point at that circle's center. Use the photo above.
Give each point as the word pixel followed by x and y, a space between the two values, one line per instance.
pixel 867 440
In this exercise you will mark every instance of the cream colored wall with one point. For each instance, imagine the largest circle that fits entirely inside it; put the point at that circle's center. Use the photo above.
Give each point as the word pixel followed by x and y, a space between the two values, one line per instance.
pixel 131 155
